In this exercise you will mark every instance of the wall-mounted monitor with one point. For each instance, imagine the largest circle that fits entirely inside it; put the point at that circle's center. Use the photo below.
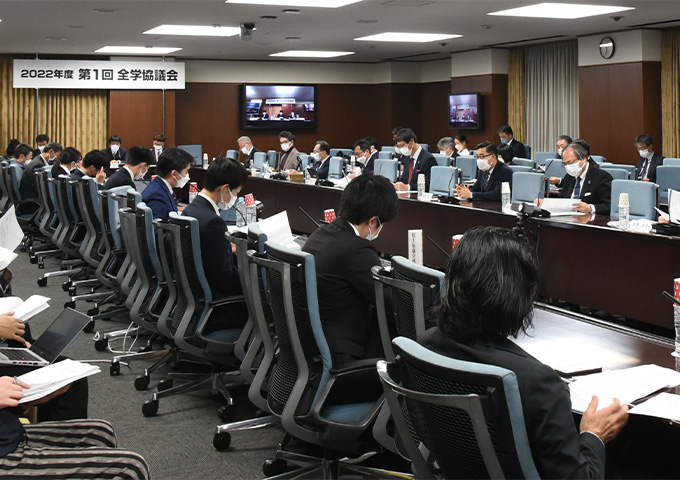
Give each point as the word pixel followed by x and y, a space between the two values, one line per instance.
pixel 465 111
pixel 278 107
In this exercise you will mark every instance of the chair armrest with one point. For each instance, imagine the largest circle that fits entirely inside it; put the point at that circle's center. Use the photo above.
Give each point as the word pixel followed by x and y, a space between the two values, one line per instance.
pixel 227 300
pixel 356 366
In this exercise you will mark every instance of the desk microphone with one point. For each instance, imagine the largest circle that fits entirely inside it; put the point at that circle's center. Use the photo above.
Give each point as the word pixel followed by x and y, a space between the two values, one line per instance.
pixel 448 255
pixel 671 298
pixel 309 216
pixel 450 199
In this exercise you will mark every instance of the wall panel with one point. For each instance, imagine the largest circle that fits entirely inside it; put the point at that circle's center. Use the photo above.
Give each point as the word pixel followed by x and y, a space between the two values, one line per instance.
pixel 136 115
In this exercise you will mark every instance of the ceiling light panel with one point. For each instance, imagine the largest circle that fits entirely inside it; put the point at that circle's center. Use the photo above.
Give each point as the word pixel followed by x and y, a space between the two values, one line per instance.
pixel 297 3
pixel 138 50
pixel 194 30
pixel 562 11
pixel 407 37
pixel 311 54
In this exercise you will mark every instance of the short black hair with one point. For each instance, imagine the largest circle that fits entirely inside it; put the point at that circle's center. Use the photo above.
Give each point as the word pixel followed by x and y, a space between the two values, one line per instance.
pixel 287 135
pixel 506 152
pixel 396 130
pixel 506 129
pixel 567 138
pixel 225 171
pixel 372 141
pixel 644 139
pixel 139 154
pixel 11 146
pixel 115 138
pixel 491 283
pixel 362 144
pixel 584 144
pixel 96 158
pixel 369 195
pixel 22 149
pixel 490 148
pixel 461 138
pixel 173 159
pixel 54 146
pixel 406 135
pixel 70 155
pixel 159 137
pixel 42 137
pixel 323 145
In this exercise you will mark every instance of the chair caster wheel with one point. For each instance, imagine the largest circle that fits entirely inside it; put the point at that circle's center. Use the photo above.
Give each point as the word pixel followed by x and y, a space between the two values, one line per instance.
pixel 93 311
pixel 70 305
pixel 42 282
pixel 114 369
pixel 142 382
pixel 89 327
pixel 150 408
pixel 33 260
pixel 165 384
pixel 101 344
pixel 227 413
pixel 145 348
pixel 72 292
pixel 41 266
pixel 274 466
pixel 66 286
pixel 221 441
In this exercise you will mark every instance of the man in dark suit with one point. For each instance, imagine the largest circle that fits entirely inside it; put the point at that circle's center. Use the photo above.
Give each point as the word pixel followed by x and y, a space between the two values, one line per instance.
pixel 506 136
pixel 415 160
pixel 373 142
pixel 445 146
pixel 321 156
pixel 41 141
pixel 362 153
pixel 223 181
pixel 344 256
pixel 649 159
pixel 172 171
pixel 158 146
pixel 135 168
pixel 563 141
pixel 474 324
pixel 28 187
pixel 245 144
pixel 490 176
pixel 114 151
pixel 21 155
pixel 585 181
pixel 93 165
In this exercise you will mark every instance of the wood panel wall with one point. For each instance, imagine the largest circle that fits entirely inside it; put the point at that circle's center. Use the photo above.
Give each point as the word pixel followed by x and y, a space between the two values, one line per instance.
pixel 137 115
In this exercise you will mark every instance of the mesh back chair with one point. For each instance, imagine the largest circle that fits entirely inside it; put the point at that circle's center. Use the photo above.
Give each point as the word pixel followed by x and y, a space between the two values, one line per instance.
pixel 521 168
pixel 385 155
pixel 671 161
pixel 259 159
pixel 335 167
pixel 468 167
pixel 527 186
pixel 457 419
pixel 47 220
pixel 5 200
pixel 443 180
pixel 126 275
pixel 617 173
pixel 524 162
pixel 26 209
pixel 667 176
pixel 629 168
pixel 542 158
pixel 643 197
pixel 598 158
pixel 387 168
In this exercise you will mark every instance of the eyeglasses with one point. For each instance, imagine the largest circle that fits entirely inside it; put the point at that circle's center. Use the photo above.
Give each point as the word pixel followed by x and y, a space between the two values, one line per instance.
pixel 484 157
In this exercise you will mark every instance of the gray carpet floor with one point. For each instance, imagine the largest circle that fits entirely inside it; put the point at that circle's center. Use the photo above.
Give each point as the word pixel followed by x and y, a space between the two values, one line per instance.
pixel 177 443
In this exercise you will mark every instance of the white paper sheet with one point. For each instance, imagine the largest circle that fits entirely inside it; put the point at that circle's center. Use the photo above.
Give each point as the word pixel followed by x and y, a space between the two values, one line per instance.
pixel 277 229
pixel 7 256
pixel 51 378
pixel 560 206
pixel 664 405
pixel 674 205
pixel 10 230
pixel 31 307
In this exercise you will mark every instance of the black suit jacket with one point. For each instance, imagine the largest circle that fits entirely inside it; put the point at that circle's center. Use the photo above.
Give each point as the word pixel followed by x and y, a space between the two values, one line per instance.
pixel 371 162
pixel 28 185
pixel 121 154
pixel 501 173
pixel 556 446
pixel 322 168
pixel 219 263
pixel 424 164
pixel 251 157
pixel 595 190
pixel 345 287
pixel 655 161
pixel 518 149
pixel 119 179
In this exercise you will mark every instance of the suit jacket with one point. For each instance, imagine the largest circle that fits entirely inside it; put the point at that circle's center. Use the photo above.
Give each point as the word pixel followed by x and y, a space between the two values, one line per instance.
pixel 655 161
pixel 595 190
pixel 322 168
pixel 28 186
pixel 154 153
pixel 345 287
pixel 21 169
pixel 251 157
pixel 289 160
pixel 501 173
pixel 518 149
pixel 558 450
pixel 159 199
pixel 58 170
pixel 76 174
pixel 121 154
pixel 120 178
pixel 219 263
pixel 371 162
pixel 424 164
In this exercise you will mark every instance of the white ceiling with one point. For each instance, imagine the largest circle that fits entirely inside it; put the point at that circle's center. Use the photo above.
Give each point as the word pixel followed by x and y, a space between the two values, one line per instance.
pixel 30 26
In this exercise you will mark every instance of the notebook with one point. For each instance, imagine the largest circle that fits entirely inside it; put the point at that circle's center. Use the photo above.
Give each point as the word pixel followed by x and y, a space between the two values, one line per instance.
pixel 61 332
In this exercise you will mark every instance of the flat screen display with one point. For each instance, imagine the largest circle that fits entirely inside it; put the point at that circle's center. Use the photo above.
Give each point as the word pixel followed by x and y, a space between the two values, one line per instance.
pixel 465 111
pixel 279 107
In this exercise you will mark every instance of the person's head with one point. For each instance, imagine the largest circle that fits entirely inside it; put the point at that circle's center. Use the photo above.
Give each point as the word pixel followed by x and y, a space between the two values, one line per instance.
pixel 583 143
pixel 445 146
pixel 115 143
pixel 94 161
pixel 506 152
pixel 460 143
pixel 41 140
pixel 245 144
pixel 23 153
pixel 644 145
pixel 173 166
pixel 286 140
pixel 321 151
pixel 223 181
pixel 574 159
pixel 138 160
pixel 406 142
pixel 373 142
pixel 70 157
pixel 395 131
pixel 491 283
pixel 562 142
pixel 53 151
pixel 487 156
pixel 505 133
pixel 362 150
pixel 369 201
pixel 11 146
pixel 159 140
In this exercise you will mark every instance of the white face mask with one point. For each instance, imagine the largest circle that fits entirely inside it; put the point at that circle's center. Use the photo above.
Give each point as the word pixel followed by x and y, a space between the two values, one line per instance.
pixel 483 164
pixel 114 149
pixel 361 159
pixel 141 174
pixel 315 156
pixel 158 148
pixel 227 205
pixel 183 181
pixel 244 150
pixel 643 153
pixel 52 157
pixel 443 152
pixel 459 147
pixel 41 148
pixel 370 237
pixel 285 147
pixel 573 169
pixel 560 151
pixel 406 151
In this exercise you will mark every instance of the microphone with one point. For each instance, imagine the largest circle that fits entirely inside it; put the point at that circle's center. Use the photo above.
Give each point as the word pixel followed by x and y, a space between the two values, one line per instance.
pixel 309 216
pixel 671 297
pixel 526 209
pixel 448 255
pixel 450 199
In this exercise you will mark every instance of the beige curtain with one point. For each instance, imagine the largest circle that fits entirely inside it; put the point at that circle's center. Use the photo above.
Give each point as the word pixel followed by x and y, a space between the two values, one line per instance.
pixel 77 118
pixel 516 95
pixel 670 92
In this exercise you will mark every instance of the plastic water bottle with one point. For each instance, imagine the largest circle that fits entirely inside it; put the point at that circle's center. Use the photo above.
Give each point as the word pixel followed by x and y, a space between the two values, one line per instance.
pixel 306 176
pixel 205 161
pixel 421 185
pixel 240 212
pixel 624 212
pixel 251 214
pixel 505 195
pixel 265 169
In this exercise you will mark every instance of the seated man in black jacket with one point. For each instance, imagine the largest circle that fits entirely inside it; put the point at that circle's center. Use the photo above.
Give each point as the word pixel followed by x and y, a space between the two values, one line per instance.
pixel 490 176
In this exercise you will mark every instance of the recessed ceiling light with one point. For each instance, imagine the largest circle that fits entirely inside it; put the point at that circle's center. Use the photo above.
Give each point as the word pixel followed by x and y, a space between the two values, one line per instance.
pixel 568 11
pixel 298 3
pixel 138 50
pixel 311 54
pixel 406 37
pixel 194 30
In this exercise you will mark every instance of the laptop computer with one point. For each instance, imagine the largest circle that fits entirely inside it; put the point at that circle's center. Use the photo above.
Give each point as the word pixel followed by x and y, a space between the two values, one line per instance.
pixel 61 332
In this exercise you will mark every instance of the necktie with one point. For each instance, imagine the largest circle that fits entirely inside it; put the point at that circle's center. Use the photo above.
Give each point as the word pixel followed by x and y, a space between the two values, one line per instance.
pixel 577 188
pixel 410 170
pixel 485 181
pixel 643 172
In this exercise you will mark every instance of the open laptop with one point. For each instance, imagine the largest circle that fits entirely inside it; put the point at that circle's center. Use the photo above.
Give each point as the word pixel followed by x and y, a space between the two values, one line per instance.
pixel 61 332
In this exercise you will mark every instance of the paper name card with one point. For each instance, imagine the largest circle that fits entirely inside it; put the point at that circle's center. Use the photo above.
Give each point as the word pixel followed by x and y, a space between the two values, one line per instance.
pixel 415 246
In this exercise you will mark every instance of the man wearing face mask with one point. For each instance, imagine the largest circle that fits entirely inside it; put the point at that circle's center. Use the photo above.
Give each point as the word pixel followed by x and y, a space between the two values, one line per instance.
pixel 506 136
pixel 136 167
pixel 415 160
pixel 321 155
pixel 158 146
pixel 373 144
pixel 28 187
pixel 649 159
pixel 344 256
pixel 562 142
pixel 585 181
pixel 114 151
pixel 41 142
pixel 245 145
pixel 490 176
pixel 291 157
pixel 223 181
pixel 362 153
pixel 93 165
pixel 172 171
pixel 445 147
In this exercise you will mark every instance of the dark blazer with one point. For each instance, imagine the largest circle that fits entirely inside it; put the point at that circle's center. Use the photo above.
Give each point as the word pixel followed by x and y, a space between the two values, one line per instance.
pixel 518 149
pixel 57 170
pixel 345 287
pixel 28 186
pixel 424 164
pixel 219 263
pixel 159 199
pixel 251 157
pixel 155 155
pixel 501 173
pixel 371 162
pixel 120 178
pixel 322 168
pixel 655 161
pixel 121 154
pixel 558 450
pixel 596 189
pixel 76 174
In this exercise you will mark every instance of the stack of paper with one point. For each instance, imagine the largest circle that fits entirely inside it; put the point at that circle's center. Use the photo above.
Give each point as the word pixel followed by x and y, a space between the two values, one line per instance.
pixel 51 378
pixel 560 206
pixel 10 237
pixel 277 229
pixel 24 310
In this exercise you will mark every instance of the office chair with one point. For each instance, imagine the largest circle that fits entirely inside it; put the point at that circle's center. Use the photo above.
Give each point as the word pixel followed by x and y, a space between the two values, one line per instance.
pixel 272 157
pixel 443 180
pixel 305 161
pixel 631 169
pixel 335 167
pixel 387 168
pixel 233 154
pixel 553 168
pixel 667 176
pixel 643 197
pixel 527 149
pixel 425 146
pixel 195 151
pixel 617 173
pixel 259 159
pixel 388 148
pixel 527 186
pixel 47 220
pixel 598 159
pixel 523 162
pixel 468 166
pixel 456 419
pixel 442 160
pixel 542 158
pixel 26 209
pixel 4 195
pixel 674 162
pixel 384 155
pixel 520 168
